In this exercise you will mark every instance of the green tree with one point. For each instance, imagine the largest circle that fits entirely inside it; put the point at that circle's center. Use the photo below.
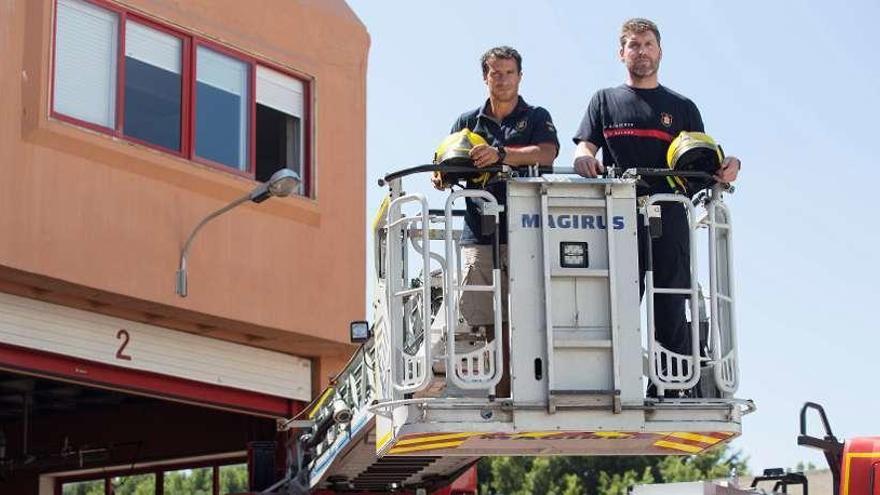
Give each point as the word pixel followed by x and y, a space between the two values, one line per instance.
pixel 233 479
pixel 801 467
pixel 712 464
pixel 139 484
pixel 600 475
pixel 619 483
pixel 95 487
pixel 189 482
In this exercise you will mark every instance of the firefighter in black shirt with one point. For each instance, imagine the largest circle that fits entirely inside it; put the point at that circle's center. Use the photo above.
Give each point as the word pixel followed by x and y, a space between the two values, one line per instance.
pixel 633 124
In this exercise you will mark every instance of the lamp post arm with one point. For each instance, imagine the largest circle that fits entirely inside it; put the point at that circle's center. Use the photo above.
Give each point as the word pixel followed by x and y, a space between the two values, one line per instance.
pixel 181 266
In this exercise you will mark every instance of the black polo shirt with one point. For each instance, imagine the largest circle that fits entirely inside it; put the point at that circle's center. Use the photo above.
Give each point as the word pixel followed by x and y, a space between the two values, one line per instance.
pixel 525 126
pixel 633 127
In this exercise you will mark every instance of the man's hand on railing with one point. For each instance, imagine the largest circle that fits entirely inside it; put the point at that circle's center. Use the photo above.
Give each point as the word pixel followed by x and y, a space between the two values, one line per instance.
pixel 437 181
pixel 729 170
pixel 588 166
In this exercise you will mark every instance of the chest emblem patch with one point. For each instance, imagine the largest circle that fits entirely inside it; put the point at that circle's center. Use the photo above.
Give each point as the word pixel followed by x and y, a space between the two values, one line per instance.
pixel 666 119
pixel 521 125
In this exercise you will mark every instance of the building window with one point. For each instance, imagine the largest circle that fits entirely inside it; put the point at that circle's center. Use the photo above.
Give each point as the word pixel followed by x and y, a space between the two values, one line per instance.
pixel 279 123
pixel 134 78
pixel 86 44
pixel 232 478
pixel 216 478
pixel 221 108
pixel 83 487
pixel 188 481
pixel 134 484
pixel 153 86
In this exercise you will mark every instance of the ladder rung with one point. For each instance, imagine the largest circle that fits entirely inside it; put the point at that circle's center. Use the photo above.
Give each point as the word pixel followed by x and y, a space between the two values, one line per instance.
pixel 563 343
pixel 476 288
pixel 409 292
pixel 666 290
pixel 433 234
pixel 579 273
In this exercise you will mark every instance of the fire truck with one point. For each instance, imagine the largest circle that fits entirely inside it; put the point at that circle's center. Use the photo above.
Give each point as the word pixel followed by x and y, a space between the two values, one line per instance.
pixel 854 466
pixel 419 402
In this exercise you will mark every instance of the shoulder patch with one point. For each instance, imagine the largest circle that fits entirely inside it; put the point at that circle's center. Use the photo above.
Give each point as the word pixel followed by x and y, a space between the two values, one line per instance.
pixel 521 125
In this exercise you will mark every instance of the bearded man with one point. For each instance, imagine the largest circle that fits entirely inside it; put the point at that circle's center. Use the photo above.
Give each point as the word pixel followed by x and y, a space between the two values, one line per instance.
pixel 633 124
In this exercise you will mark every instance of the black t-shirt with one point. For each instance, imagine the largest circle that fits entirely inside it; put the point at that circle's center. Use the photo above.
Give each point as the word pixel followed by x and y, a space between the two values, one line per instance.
pixel 633 127
pixel 525 126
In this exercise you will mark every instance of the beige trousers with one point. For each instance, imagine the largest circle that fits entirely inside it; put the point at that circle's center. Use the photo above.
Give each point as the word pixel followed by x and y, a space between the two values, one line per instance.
pixel 476 307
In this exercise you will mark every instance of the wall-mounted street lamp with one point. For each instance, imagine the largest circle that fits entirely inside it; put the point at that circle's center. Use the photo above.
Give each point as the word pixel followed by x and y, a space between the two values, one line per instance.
pixel 281 184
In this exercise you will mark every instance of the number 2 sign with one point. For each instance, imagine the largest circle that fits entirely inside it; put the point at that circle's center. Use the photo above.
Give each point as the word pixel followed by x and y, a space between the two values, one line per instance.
pixel 124 337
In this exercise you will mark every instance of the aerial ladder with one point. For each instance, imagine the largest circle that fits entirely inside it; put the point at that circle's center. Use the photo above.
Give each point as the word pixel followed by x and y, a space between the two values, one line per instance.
pixel 418 404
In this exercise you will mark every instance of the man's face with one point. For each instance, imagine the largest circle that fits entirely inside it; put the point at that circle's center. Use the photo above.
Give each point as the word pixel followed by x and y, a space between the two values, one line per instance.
pixel 641 53
pixel 502 79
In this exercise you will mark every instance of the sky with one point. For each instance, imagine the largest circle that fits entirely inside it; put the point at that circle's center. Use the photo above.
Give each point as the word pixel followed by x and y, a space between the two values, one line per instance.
pixel 792 88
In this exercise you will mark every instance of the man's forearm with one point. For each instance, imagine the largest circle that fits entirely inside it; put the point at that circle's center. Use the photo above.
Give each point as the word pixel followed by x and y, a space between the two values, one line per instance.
pixel 542 154
pixel 585 148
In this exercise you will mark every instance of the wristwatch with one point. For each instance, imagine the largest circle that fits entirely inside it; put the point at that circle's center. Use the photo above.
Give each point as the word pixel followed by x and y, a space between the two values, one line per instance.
pixel 502 154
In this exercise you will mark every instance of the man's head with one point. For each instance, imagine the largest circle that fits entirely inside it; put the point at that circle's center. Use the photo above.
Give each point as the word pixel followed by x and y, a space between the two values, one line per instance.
pixel 502 72
pixel 640 50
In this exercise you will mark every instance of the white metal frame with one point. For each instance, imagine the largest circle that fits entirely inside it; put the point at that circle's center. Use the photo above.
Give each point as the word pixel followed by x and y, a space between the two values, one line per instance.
pixel 682 371
pixel 481 368
pixel 412 372
pixel 721 292
pixel 722 322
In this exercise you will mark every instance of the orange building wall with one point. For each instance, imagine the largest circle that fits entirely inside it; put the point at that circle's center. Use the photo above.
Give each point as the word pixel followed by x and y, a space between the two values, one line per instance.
pixel 90 220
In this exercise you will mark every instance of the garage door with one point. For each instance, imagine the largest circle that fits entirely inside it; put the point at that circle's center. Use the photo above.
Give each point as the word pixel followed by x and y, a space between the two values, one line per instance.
pixel 78 345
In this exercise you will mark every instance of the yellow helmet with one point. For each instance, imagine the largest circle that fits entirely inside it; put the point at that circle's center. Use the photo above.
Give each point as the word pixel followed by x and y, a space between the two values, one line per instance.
pixel 694 151
pixel 455 150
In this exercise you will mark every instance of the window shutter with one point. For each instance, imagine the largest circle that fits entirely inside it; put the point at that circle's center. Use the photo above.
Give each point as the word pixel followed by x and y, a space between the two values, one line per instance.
pixel 153 47
pixel 221 71
pixel 85 62
pixel 231 76
pixel 280 91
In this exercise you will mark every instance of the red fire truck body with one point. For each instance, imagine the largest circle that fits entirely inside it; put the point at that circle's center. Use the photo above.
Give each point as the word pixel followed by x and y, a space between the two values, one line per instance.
pixel 860 468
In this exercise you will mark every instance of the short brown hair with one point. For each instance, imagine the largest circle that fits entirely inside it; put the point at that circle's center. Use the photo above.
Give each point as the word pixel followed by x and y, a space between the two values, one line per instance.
pixel 500 52
pixel 638 25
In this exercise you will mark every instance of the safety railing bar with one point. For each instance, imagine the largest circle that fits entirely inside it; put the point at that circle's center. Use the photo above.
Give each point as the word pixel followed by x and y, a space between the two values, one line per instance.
pixel 731 290
pixel 434 256
pixel 681 292
pixel 449 295
pixel 409 292
pixel 475 288
pixel 390 369
pixel 452 290
pixel 726 365
pixel 396 296
pixel 693 292
pixel 548 300
pixel 714 324
pixel 402 220
pixel 612 295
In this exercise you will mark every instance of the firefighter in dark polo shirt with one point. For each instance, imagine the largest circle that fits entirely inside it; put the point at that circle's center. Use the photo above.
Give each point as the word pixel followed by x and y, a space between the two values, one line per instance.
pixel 517 134
pixel 633 124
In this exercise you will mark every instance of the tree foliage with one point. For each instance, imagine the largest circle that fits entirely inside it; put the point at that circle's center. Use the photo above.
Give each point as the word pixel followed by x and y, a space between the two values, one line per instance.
pixel 199 481
pixel 600 475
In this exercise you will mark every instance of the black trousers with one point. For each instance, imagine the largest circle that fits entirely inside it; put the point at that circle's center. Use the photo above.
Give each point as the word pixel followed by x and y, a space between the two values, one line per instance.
pixel 671 253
